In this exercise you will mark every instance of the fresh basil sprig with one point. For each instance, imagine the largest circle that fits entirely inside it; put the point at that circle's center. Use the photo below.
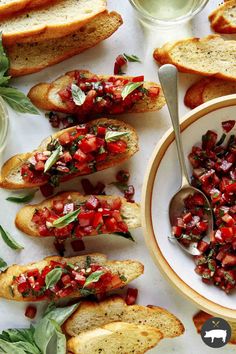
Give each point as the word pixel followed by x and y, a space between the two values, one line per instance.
pixel 132 58
pixel 130 87
pixel 78 95
pixel 113 136
pixel 35 340
pixel 52 159
pixel 23 198
pixel 53 277
pixel 93 278
pixel 8 239
pixel 16 99
pixel 66 219
pixel 3 265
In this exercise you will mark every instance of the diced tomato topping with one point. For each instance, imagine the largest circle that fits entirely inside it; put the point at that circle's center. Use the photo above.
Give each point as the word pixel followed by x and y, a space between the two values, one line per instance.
pixel 138 78
pixel 228 125
pixel 77 245
pixel 47 190
pixel 92 203
pixel 131 296
pixel 30 311
pixel 117 147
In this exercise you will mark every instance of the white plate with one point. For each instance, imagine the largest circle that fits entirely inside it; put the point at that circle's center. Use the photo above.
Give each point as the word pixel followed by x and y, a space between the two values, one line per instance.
pixel 161 183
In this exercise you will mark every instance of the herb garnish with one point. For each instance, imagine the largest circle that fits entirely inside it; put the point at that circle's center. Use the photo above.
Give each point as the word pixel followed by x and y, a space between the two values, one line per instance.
pixel 3 265
pixel 16 99
pixel 130 87
pixel 52 159
pixel 23 198
pixel 78 95
pixel 93 277
pixel 53 277
pixel 66 219
pixel 113 136
pixel 132 58
pixel 7 238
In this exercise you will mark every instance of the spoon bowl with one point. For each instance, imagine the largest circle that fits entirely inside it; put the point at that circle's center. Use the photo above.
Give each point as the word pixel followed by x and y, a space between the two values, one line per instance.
pixel 168 75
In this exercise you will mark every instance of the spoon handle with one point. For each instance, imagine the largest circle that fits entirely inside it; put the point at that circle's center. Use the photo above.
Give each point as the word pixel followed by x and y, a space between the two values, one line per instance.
pixel 168 79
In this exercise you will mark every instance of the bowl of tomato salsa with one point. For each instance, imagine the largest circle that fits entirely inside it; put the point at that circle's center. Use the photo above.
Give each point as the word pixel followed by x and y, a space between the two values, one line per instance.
pixel 209 140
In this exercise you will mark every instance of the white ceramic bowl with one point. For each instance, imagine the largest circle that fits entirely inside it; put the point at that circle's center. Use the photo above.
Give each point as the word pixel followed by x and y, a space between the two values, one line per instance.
pixel 161 183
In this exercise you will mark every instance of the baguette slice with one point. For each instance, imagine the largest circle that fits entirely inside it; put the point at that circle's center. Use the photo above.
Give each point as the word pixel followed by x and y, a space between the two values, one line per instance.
pixel 46 97
pixel 131 212
pixel 11 7
pixel 129 269
pixel 53 21
pixel 90 315
pixel 115 338
pixel 201 317
pixel 209 56
pixel 206 89
pixel 28 58
pixel 223 19
pixel 11 171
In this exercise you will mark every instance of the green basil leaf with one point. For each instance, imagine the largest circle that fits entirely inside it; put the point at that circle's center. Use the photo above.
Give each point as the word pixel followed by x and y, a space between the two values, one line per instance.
pixel 125 235
pixel 44 331
pixel 53 277
pixel 4 80
pixel 10 348
pixel 60 339
pixel 23 198
pixel 16 335
pixel 4 61
pixel 66 219
pixel 3 265
pixel 60 314
pixel 52 159
pixel 113 136
pixel 132 58
pixel 78 95
pixel 7 238
pixel 130 87
pixel 17 100
pixel 94 277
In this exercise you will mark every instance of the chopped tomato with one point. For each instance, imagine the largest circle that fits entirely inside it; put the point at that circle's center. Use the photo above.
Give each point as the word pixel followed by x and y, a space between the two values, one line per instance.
pixel 131 296
pixel 117 147
pixel 64 138
pixel 228 125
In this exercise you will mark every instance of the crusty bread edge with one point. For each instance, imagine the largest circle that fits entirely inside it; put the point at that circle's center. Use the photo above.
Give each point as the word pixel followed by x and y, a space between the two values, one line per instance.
pixel 10 9
pixel 68 54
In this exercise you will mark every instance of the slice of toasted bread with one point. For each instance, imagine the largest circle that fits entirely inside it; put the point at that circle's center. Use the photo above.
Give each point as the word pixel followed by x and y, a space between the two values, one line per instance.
pixel 206 89
pixel 90 315
pixel 115 338
pixel 11 171
pixel 209 56
pixel 11 7
pixel 201 317
pixel 47 96
pixel 130 211
pixel 129 269
pixel 53 21
pixel 27 58
pixel 223 19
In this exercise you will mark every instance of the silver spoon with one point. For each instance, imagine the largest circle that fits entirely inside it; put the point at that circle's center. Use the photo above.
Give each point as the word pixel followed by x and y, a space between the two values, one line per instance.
pixel 168 77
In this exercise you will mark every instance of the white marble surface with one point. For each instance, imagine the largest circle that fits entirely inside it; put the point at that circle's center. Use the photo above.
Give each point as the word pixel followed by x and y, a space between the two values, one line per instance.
pixel 27 131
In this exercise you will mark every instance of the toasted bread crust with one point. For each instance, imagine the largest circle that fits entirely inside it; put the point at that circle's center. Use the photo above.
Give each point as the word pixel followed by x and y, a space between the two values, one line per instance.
pixel 164 55
pixel 12 166
pixel 45 96
pixel 91 314
pixel 46 31
pixel 206 89
pixel 52 51
pixel 24 216
pixel 218 20
pixel 11 8
pixel 131 269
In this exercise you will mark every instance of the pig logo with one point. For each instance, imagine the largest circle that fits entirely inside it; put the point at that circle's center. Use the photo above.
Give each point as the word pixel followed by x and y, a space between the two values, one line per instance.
pixel 216 332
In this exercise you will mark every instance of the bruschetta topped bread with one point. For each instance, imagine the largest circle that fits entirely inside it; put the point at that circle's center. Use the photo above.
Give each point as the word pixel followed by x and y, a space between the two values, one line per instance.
pixel 208 56
pixel 91 314
pixel 115 338
pixel 71 152
pixel 70 213
pixel 56 277
pixel 223 19
pixel 56 20
pixel 85 93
